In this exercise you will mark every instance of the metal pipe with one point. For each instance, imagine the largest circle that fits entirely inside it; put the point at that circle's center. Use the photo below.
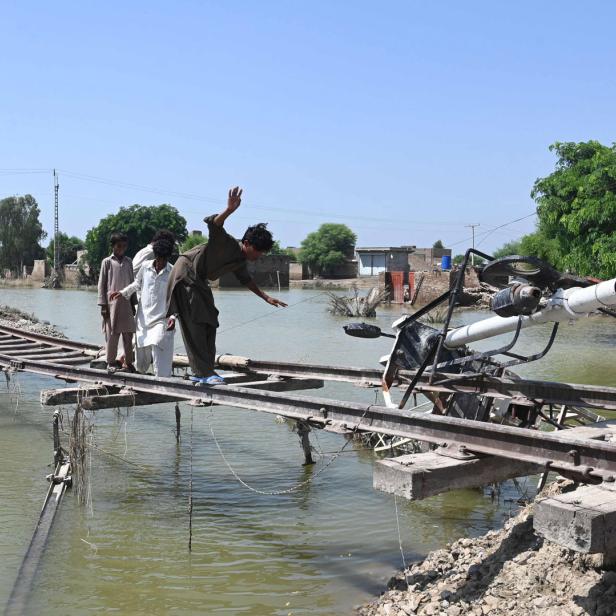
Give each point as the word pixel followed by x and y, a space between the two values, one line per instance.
pixel 566 305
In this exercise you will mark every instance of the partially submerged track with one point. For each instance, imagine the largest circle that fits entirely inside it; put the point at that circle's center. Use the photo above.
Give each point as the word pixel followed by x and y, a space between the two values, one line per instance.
pixel 591 458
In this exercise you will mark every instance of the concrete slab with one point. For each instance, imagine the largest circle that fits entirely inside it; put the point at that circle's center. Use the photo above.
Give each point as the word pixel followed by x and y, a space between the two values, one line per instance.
pixel 418 476
pixel 583 520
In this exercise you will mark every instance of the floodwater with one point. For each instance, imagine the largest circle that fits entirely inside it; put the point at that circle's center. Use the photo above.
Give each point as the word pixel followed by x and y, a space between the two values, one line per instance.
pixel 319 550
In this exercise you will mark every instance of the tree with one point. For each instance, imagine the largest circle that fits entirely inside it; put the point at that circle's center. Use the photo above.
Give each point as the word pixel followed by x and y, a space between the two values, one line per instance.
pixel 457 260
pixel 277 249
pixel 139 222
pixel 21 232
pixel 68 249
pixel 194 239
pixel 438 244
pixel 327 247
pixel 577 209
pixel 510 248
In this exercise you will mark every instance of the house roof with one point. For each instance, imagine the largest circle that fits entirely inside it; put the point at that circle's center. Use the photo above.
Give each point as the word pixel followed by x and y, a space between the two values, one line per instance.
pixel 385 249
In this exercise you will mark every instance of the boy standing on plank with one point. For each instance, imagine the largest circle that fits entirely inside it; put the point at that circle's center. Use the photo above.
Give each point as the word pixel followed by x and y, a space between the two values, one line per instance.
pixel 155 335
pixel 118 317
pixel 189 295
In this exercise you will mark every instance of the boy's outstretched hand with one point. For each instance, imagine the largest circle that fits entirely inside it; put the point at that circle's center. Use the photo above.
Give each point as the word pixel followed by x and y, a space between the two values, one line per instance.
pixel 275 302
pixel 234 200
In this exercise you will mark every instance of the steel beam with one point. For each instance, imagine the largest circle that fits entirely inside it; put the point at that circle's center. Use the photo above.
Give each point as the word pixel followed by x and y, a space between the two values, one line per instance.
pixel 594 459
pixel 484 385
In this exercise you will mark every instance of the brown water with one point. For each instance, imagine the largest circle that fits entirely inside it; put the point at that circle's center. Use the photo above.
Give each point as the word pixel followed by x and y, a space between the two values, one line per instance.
pixel 320 550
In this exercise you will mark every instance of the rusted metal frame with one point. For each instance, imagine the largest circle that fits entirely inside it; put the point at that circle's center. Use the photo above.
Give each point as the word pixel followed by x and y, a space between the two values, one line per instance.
pixel 424 364
pixel 521 359
pixel 73 361
pixel 391 368
pixel 58 482
pixel 590 396
pixel 498 387
pixel 491 386
pixel 20 346
pixel 57 354
pixel 453 302
pixel 556 451
pixel 35 352
pixel 53 340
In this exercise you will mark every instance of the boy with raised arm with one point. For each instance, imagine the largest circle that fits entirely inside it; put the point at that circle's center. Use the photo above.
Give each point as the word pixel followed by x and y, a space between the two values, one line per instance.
pixel 189 295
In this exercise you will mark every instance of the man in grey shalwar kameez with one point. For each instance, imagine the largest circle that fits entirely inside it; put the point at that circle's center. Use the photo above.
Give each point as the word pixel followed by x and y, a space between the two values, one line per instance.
pixel 118 316
pixel 189 295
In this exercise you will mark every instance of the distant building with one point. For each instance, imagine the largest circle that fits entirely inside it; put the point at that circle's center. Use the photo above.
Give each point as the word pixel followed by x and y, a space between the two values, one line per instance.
pixel 426 259
pixel 372 261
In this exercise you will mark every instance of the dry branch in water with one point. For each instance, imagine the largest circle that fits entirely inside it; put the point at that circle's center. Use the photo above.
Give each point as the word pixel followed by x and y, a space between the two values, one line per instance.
pixel 357 305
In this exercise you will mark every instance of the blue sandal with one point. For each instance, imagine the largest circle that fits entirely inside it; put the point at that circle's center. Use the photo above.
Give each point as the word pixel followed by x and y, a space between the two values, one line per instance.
pixel 213 379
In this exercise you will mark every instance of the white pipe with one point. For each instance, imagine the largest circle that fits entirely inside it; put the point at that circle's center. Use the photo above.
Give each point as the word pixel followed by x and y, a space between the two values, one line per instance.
pixel 588 299
pixel 562 306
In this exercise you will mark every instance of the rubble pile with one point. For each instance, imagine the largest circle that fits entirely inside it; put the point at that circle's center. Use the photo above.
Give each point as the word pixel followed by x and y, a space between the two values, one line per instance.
pixel 13 317
pixel 511 571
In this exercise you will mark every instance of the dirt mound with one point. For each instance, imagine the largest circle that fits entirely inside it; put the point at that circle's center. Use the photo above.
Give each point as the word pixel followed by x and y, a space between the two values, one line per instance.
pixel 13 317
pixel 506 572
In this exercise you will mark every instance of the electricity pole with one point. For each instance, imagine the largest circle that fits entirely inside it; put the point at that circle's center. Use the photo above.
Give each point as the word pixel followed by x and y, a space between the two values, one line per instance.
pixel 56 227
pixel 473 228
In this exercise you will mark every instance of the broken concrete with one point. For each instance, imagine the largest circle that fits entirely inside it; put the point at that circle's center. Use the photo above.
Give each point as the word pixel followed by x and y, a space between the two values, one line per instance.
pixel 418 476
pixel 583 520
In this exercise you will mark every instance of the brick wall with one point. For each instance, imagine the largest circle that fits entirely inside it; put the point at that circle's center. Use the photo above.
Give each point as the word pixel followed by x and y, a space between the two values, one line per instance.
pixel 436 283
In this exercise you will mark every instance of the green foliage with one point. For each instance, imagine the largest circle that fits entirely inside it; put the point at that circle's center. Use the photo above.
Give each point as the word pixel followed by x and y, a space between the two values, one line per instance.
pixel 577 210
pixel 20 232
pixel 327 247
pixel 139 222
pixel 457 260
pixel 68 249
pixel 438 244
pixel 510 248
pixel 191 241
pixel 277 249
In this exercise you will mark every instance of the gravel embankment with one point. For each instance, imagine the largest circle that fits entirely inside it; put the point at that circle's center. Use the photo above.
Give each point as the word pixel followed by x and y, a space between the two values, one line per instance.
pixel 508 572
pixel 13 317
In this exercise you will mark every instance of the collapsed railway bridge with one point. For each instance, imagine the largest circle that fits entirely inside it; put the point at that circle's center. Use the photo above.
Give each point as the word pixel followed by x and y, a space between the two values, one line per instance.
pixel 540 426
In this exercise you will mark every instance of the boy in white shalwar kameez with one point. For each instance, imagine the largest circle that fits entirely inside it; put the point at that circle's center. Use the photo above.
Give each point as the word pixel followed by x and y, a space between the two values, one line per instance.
pixel 155 333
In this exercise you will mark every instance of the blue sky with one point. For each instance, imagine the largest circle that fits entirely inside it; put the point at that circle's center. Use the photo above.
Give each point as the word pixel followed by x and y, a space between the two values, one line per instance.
pixel 405 120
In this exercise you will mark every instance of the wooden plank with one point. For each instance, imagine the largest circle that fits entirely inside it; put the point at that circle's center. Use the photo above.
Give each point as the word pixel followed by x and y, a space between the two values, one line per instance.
pixel 288 384
pixel 70 395
pixel 124 399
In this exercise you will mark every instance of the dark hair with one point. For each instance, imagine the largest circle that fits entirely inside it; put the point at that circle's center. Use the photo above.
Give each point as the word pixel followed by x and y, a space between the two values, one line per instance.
pixel 164 234
pixel 118 237
pixel 163 247
pixel 259 237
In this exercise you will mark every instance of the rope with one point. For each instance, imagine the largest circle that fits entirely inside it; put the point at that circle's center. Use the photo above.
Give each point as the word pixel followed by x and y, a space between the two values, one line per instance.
pixel 406 579
pixel 297 486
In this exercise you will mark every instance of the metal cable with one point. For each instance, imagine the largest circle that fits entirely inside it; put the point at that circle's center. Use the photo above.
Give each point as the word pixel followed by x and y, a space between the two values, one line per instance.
pixel 297 486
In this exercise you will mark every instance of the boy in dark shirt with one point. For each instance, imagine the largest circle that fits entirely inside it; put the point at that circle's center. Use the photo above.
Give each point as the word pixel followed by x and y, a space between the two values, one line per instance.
pixel 189 296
